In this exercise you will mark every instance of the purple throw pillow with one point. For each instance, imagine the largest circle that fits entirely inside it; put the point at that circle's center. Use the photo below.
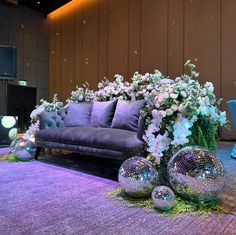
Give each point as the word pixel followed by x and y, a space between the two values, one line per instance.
pixel 102 113
pixel 78 114
pixel 127 114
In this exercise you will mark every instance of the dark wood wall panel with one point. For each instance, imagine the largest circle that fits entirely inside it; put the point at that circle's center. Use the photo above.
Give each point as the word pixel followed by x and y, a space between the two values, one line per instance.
pixel 228 58
pixel 202 39
pixel 78 42
pixel 90 43
pixel 134 37
pixel 103 40
pixel 154 35
pixel 58 58
pixel 118 38
pixel 175 37
pixel 67 52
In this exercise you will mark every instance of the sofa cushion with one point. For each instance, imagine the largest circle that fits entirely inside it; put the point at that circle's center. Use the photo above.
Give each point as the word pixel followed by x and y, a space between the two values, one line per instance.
pixel 102 113
pixel 78 114
pixel 127 114
pixel 114 139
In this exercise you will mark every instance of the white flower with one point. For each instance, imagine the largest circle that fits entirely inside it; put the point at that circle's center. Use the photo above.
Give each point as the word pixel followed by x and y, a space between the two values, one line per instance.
pixel 181 131
pixel 209 86
pixel 222 119
pixel 33 128
pixel 169 112
pixel 152 128
pixel 157 117
pixel 174 96
pixel 182 109
pixel 183 93
pixel 80 98
pixel 34 114
pixel 158 144
pixel 174 107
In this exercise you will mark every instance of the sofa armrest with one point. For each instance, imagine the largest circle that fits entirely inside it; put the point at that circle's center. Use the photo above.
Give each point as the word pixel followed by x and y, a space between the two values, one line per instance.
pixel 53 119
pixel 141 127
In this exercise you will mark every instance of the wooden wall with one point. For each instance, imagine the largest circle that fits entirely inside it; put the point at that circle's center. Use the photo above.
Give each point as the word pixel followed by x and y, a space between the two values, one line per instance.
pixel 93 39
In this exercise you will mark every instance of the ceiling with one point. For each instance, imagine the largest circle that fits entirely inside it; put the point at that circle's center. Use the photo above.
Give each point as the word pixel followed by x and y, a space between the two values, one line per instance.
pixel 43 6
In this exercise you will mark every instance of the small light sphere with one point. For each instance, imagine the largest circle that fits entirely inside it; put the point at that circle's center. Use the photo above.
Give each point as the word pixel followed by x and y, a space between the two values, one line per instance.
pixel 163 198
pixel 8 121
pixel 196 174
pixel 12 133
pixel 137 177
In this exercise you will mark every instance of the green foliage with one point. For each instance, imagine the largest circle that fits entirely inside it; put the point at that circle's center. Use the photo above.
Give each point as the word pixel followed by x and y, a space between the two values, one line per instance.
pixel 204 134
pixel 13 158
pixel 181 206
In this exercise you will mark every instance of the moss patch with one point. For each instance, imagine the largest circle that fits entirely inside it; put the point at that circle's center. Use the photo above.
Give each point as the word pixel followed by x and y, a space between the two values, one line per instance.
pixel 181 206
pixel 13 158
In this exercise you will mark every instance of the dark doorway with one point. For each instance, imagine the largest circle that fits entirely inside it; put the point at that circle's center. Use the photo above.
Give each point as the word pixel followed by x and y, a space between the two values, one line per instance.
pixel 21 102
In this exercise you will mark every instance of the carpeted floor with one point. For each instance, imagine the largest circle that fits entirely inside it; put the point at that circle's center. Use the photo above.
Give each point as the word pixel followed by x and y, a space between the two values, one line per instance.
pixel 43 198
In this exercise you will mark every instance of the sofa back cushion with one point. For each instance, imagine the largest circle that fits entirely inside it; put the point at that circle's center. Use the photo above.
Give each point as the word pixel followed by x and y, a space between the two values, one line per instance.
pixel 127 114
pixel 78 114
pixel 102 113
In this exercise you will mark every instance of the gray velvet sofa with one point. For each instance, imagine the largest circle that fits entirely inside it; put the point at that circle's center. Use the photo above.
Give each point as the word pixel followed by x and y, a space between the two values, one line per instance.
pixel 110 129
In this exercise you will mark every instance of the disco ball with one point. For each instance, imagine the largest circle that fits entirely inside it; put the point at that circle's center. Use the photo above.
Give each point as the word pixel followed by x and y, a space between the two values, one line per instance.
pixel 14 144
pixel 163 198
pixel 196 174
pixel 23 155
pixel 24 149
pixel 137 177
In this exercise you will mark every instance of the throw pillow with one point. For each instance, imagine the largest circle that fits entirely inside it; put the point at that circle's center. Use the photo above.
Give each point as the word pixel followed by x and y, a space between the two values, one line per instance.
pixel 127 114
pixel 102 113
pixel 78 114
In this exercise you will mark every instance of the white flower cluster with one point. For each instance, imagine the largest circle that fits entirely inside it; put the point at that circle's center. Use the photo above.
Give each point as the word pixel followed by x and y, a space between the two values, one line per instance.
pixel 55 105
pixel 82 94
pixel 33 128
pixel 113 90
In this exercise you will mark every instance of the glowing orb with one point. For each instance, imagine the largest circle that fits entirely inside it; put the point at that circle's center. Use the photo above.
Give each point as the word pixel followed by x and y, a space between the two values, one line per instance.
pixel 12 133
pixel 8 121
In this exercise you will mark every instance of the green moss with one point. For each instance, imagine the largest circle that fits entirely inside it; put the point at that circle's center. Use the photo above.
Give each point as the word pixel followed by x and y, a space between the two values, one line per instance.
pixel 13 158
pixel 181 206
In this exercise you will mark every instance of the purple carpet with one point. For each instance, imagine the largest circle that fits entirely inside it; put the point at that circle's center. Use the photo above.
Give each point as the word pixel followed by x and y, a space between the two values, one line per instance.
pixel 39 198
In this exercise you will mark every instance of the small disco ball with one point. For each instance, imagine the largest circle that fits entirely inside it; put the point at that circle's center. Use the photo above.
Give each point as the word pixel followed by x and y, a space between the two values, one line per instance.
pixel 23 155
pixel 24 149
pixel 14 144
pixel 196 174
pixel 137 177
pixel 163 198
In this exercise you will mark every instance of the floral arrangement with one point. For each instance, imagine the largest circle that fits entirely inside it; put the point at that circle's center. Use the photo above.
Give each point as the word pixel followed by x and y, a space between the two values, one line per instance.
pixel 82 94
pixel 179 111
pixel 113 90
pixel 45 106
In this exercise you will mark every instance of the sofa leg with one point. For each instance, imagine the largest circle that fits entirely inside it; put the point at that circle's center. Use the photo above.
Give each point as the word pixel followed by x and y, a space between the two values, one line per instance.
pixel 38 149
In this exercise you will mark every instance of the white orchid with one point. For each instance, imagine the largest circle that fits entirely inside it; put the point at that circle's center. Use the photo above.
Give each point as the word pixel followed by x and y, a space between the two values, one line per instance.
pixel 158 144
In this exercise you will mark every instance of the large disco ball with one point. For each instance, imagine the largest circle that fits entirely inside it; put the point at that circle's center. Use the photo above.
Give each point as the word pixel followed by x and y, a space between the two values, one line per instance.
pixel 137 177
pixel 24 149
pixel 163 198
pixel 196 174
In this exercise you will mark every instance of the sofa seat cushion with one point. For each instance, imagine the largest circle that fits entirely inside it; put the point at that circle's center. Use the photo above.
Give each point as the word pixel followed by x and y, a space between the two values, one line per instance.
pixel 114 139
